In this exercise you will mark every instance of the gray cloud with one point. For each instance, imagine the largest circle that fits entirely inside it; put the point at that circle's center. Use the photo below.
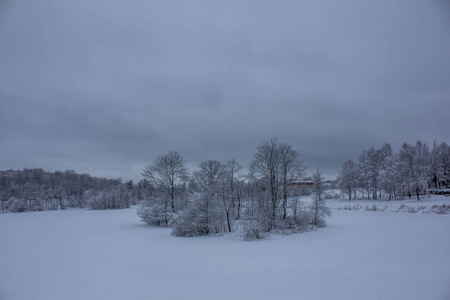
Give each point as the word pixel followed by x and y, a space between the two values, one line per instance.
pixel 106 86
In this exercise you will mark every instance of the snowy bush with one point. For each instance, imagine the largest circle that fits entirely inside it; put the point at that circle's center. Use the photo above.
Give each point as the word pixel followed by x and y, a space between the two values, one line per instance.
pixel 190 223
pixel 53 204
pixel 441 209
pixel 155 214
pixel 321 223
pixel 109 199
pixel 254 231
pixel 371 208
pixel 412 210
pixel 293 224
pixel 352 207
pixel 17 205
pixel 304 218
pixel 332 195
pixel 40 205
pixel 202 216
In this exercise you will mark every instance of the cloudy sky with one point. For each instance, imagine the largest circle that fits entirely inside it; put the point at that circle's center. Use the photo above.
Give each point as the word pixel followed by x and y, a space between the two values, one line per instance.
pixel 104 86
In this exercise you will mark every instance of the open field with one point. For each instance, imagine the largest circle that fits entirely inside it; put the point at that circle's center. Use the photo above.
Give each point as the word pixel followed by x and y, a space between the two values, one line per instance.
pixel 85 254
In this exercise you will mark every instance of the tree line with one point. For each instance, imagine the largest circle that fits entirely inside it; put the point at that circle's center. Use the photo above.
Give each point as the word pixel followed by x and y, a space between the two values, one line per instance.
pixel 411 171
pixel 37 190
pixel 219 197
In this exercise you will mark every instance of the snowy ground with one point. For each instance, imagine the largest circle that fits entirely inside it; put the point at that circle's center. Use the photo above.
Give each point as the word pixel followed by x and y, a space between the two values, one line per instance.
pixel 83 254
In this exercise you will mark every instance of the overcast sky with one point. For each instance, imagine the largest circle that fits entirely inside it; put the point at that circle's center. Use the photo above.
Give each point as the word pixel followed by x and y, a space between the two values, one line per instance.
pixel 105 86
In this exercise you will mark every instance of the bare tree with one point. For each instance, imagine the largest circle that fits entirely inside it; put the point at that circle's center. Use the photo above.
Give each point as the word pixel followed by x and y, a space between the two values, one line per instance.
pixel 167 172
pixel 363 173
pixel 291 170
pixel 318 189
pixel 440 164
pixel 347 178
pixel 414 163
pixel 421 167
pixel 390 176
pixel 230 189
pixel 210 182
pixel 3 190
pixel 276 165
pixel 445 163
pixel 232 168
pixel 266 166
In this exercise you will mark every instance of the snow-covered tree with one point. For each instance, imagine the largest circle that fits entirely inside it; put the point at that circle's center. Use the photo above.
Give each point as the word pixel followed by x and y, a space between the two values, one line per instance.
pixel 275 165
pixel 36 189
pixel 4 194
pixel 389 176
pixel 348 178
pixel 266 167
pixel 205 213
pixel 440 165
pixel 414 165
pixel 230 190
pixel 364 173
pixel 421 167
pixel 374 165
pixel 320 208
pixel 291 170
pixel 167 172
pixel 445 163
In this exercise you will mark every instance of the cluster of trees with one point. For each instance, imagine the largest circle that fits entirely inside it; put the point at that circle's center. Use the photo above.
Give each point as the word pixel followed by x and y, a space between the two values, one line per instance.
pixel 218 197
pixel 409 172
pixel 35 189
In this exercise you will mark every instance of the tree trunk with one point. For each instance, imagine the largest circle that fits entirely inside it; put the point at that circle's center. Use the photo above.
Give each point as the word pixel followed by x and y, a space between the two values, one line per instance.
pixel 272 219
pixel 239 207
pixel 228 221
pixel 284 208
pixel 316 210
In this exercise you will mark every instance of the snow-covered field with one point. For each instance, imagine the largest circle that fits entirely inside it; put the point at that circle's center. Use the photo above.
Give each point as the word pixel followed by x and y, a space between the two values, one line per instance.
pixel 84 254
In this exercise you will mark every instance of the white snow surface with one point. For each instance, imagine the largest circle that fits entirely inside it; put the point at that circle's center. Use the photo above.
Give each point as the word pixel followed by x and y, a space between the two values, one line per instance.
pixel 85 254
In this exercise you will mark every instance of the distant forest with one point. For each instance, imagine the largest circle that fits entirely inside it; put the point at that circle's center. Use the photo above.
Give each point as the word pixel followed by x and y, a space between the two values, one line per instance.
pixel 37 190
pixel 411 171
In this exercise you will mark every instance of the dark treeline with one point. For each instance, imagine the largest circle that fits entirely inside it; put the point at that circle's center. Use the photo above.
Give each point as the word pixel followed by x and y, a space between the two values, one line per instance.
pixel 412 171
pixel 37 190
pixel 218 197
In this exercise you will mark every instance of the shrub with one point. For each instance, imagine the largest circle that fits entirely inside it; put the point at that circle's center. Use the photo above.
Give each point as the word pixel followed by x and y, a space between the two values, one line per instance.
pixel 155 214
pixel 373 208
pixel 190 223
pixel 321 223
pixel 203 216
pixel 109 199
pixel 254 232
pixel 441 209
pixel 17 205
